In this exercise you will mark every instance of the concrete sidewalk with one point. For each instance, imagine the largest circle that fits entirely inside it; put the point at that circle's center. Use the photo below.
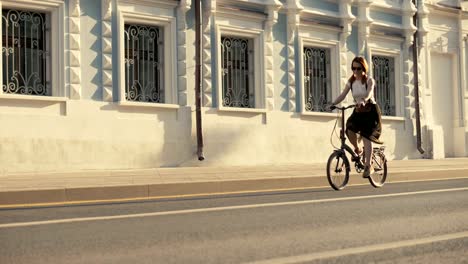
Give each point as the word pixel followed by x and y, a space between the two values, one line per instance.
pixel 55 188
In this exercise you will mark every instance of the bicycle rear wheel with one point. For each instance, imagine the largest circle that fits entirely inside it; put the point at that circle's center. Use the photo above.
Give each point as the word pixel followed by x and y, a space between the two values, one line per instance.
pixel 379 176
pixel 338 170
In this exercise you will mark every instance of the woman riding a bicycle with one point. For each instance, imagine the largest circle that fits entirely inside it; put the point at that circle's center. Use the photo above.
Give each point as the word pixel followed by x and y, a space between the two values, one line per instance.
pixel 366 117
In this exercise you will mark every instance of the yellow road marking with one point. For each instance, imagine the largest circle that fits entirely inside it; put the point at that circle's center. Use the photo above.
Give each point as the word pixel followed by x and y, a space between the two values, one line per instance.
pixel 123 200
pixel 217 209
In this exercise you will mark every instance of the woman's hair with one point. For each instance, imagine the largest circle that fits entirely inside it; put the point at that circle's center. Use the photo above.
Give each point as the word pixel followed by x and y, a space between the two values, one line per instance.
pixel 365 69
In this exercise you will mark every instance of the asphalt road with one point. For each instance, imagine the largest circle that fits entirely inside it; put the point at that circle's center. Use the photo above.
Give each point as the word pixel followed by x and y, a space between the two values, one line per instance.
pixel 418 222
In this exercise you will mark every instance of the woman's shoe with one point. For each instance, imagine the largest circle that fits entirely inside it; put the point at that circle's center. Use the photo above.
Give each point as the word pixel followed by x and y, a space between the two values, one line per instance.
pixel 368 170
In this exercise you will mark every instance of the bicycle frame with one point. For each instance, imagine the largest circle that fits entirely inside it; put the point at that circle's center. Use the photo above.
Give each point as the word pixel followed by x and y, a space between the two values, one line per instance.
pixel 344 147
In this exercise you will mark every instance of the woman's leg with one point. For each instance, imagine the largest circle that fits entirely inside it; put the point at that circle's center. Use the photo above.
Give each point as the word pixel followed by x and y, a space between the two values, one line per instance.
pixel 353 140
pixel 368 150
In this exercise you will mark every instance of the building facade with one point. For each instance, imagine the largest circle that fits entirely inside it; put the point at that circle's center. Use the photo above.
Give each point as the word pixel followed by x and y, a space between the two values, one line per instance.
pixel 110 84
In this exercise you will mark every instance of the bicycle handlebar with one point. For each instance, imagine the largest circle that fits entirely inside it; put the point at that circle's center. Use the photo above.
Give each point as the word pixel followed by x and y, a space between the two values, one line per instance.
pixel 341 108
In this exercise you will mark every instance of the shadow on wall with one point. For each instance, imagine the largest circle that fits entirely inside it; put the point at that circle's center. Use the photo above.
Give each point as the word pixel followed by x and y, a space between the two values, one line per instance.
pixel 219 138
pixel 147 137
pixel 178 143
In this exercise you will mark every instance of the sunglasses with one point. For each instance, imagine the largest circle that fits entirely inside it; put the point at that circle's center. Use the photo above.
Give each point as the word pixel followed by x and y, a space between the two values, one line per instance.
pixel 356 68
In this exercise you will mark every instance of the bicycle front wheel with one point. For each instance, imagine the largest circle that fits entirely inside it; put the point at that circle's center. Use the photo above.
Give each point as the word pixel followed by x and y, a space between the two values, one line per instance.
pixel 338 170
pixel 379 176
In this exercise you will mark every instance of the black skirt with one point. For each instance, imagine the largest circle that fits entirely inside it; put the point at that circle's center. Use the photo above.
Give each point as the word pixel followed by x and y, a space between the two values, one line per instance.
pixel 367 124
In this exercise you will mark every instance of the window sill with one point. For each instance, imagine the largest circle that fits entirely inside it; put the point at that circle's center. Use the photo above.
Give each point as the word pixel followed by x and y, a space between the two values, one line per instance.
pixel 33 98
pixel 324 114
pixel 393 118
pixel 148 105
pixel 243 110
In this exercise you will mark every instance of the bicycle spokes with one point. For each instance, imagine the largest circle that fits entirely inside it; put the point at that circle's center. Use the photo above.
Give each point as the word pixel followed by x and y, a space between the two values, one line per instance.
pixel 338 170
pixel 339 165
pixel 379 176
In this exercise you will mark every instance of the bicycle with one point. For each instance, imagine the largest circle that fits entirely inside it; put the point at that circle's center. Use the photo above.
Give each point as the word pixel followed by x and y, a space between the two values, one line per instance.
pixel 338 166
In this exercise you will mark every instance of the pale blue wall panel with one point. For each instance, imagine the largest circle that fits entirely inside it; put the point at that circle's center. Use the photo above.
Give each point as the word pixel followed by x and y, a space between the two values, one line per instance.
pixel 91 50
pixel 214 72
pixel 386 17
pixel 352 41
pixel 320 4
pixel 280 66
pixel 115 55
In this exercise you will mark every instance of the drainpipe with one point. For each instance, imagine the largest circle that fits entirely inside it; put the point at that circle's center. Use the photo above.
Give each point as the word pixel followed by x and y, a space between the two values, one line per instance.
pixel 416 81
pixel 198 81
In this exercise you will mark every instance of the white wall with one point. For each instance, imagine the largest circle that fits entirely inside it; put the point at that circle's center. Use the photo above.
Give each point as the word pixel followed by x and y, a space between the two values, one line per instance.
pixel 87 133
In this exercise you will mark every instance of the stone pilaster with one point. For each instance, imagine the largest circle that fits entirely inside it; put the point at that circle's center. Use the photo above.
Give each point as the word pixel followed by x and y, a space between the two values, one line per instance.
pixel 409 29
pixel 463 68
pixel 272 18
pixel 184 6
pixel 107 93
pixel 74 69
pixel 207 75
pixel 347 19
pixel 294 18
pixel 364 22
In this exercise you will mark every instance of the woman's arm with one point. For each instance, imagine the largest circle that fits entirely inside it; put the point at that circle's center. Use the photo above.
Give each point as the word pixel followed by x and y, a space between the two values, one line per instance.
pixel 343 94
pixel 370 88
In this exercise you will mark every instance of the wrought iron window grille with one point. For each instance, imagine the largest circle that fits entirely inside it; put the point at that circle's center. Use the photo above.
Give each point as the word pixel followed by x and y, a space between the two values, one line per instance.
pixel 317 79
pixel 384 90
pixel 238 88
pixel 144 71
pixel 25 52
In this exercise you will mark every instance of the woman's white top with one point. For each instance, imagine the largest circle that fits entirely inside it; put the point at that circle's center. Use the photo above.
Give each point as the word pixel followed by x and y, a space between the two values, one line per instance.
pixel 359 89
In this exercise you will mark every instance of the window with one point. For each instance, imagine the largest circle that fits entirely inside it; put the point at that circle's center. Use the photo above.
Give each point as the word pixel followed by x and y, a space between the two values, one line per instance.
pixel 240 62
pixel 144 74
pixel 25 52
pixel 238 89
pixel 317 81
pixel 148 58
pixel 384 91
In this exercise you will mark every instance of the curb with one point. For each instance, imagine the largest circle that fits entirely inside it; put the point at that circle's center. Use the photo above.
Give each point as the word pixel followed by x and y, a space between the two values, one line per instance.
pixel 125 193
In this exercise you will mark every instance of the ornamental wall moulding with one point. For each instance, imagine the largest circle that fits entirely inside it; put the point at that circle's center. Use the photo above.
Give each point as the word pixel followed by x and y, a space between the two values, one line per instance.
pixel 74 49
pixel 209 8
pixel 441 44
pixel 293 15
pixel 251 3
pixel 464 5
pixel 272 19
pixel 267 11
pixel 106 27
pixel 184 6
pixel 152 3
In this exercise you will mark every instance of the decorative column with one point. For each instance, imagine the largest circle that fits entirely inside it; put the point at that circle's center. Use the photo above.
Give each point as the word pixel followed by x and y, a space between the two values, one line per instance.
pixel 184 6
pixel 423 30
pixel 463 120
pixel 463 68
pixel 409 29
pixel 465 82
pixel 107 50
pixel 364 22
pixel 74 52
pixel 424 73
pixel 207 75
pixel 347 19
pixel 294 9
pixel 272 12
